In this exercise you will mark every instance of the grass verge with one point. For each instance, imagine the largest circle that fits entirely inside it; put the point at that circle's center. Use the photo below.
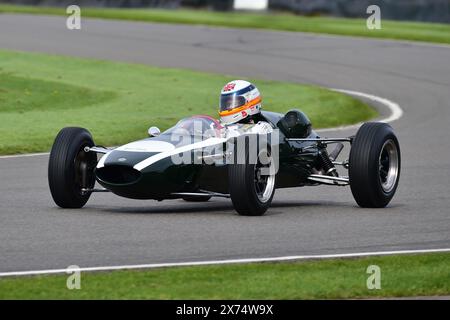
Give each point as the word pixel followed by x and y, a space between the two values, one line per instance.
pixel 415 31
pixel 403 275
pixel 117 102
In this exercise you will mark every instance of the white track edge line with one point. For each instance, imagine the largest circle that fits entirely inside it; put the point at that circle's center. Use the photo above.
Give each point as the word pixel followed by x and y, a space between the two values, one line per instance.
pixel 396 113
pixel 25 155
pixel 221 262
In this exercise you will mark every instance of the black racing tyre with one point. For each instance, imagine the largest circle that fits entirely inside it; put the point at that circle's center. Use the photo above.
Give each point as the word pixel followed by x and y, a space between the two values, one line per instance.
pixel 196 198
pixel 251 192
pixel 374 165
pixel 70 168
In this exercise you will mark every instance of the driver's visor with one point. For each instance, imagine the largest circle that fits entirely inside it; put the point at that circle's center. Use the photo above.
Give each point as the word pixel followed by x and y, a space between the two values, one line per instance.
pixel 231 101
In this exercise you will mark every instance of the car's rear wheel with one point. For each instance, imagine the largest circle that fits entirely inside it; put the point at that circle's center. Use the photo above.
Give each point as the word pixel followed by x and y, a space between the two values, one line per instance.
pixel 374 165
pixel 252 183
pixel 71 169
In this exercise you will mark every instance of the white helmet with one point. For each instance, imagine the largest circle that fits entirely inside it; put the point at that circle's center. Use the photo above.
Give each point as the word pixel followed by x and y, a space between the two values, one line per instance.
pixel 238 100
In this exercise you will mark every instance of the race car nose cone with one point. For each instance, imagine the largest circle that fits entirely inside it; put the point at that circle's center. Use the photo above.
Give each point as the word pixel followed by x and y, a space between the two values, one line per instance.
pixel 118 175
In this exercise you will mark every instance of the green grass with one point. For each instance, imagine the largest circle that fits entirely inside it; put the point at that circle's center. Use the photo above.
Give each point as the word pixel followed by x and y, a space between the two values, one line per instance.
pixel 117 102
pixel 404 275
pixel 416 31
pixel 20 95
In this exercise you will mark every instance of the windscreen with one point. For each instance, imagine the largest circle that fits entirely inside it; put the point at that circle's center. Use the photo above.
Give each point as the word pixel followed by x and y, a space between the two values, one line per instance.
pixel 195 126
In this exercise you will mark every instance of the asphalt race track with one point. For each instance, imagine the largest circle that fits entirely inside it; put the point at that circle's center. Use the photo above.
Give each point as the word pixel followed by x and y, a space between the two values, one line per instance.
pixel 34 234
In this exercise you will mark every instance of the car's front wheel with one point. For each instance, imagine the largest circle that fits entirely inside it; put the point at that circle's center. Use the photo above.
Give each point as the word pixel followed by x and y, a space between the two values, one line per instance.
pixel 71 169
pixel 252 183
pixel 374 165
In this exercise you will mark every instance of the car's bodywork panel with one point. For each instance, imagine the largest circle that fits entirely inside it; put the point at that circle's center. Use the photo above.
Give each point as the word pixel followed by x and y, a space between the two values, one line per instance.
pixel 145 169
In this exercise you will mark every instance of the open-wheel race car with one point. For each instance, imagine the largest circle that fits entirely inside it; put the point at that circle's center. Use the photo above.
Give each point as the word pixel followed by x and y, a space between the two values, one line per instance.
pixel 199 158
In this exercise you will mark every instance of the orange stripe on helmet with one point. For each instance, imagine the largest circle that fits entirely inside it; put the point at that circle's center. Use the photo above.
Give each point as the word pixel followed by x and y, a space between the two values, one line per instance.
pixel 249 104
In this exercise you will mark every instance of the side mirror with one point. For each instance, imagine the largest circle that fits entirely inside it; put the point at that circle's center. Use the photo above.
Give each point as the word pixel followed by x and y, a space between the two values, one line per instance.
pixel 154 131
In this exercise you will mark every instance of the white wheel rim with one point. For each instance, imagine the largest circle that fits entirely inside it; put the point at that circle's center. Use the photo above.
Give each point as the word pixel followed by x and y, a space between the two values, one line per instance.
pixel 388 166
pixel 264 184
